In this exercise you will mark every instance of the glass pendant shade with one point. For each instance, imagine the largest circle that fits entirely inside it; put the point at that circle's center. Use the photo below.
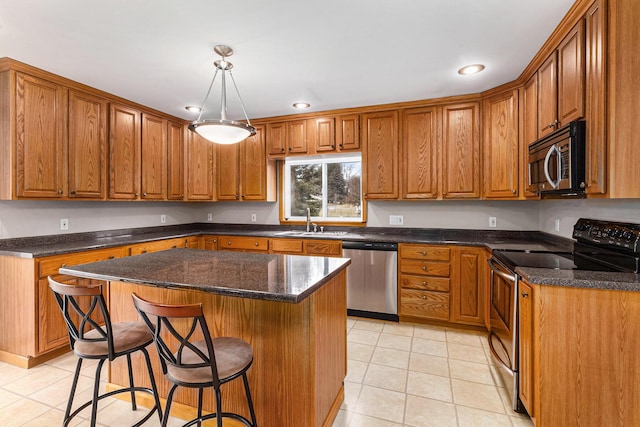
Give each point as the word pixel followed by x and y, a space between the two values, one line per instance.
pixel 223 131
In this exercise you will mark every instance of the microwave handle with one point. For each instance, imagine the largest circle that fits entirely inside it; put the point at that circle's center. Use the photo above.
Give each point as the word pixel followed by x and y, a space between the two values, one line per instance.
pixel 547 158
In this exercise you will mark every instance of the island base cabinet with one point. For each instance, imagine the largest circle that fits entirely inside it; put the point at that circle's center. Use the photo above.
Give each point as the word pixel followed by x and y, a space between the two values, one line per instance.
pixel 299 352
pixel 585 356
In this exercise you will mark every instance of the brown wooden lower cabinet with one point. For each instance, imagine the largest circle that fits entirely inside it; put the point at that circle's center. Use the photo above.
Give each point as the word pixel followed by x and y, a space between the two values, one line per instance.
pixel 440 282
pixel 583 368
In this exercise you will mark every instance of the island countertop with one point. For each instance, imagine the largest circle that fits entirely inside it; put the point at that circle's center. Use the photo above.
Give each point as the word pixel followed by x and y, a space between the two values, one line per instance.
pixel 284 278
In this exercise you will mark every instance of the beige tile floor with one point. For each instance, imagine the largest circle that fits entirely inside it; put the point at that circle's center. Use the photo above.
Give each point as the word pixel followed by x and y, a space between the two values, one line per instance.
pixel 399 375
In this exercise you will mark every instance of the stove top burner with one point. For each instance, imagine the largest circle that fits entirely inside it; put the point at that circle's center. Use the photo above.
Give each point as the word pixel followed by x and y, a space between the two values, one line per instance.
pixel 550 260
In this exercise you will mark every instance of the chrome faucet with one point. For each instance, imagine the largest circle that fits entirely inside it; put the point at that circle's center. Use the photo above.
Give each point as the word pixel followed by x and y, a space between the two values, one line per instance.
pixel 308 219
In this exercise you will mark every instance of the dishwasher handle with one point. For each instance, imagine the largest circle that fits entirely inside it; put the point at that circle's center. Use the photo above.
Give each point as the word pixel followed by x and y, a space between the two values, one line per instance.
pixel 370 246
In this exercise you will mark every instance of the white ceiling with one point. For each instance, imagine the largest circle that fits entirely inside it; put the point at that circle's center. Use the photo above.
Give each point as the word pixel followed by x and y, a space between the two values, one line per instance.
pixel 331 53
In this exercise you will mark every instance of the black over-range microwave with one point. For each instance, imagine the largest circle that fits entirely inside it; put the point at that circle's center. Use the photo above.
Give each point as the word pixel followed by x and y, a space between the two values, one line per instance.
pixel 557 161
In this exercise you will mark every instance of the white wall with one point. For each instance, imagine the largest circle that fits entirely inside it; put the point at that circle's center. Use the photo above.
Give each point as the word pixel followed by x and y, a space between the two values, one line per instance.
pixel 238 212
pixel 37 218
pixel 568 211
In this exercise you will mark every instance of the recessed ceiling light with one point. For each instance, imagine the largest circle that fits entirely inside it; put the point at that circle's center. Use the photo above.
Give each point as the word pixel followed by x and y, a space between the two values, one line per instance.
pixel 193 108
pixel 301 105
pixel 471 69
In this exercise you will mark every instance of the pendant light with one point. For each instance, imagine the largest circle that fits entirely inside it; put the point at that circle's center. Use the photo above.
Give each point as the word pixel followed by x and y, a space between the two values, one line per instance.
pixel 223 131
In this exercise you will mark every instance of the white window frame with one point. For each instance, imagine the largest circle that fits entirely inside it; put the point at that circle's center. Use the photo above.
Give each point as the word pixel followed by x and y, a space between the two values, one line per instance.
pixel 324 160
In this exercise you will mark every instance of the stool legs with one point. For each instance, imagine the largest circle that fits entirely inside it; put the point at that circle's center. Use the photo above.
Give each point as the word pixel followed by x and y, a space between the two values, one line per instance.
pixel 67 419
pixel 249 400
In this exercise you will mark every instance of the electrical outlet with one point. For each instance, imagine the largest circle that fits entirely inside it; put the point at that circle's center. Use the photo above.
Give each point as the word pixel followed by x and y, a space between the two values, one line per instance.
pixel 209 217
pixel 396 219
pixel 163 219
pixel 64 224
pixel 493 222
pixel 254 217
pixel 557 225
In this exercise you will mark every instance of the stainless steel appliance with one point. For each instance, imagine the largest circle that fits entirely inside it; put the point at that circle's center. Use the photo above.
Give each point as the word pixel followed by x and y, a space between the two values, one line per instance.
pixel 372 279
pixel 599 246
pixel 557 161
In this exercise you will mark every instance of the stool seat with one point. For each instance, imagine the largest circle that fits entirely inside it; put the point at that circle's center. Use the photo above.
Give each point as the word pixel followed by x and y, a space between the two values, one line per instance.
pixel 126 337
pixel 233 355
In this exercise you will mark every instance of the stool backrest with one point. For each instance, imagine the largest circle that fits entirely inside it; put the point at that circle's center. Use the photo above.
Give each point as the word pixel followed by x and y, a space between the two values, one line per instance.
pixel 81 305
pixel 175 331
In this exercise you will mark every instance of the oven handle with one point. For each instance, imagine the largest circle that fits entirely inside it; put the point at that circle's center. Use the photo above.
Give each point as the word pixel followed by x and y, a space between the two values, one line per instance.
pixel 494 267
pixel 547 158
pixel 495 353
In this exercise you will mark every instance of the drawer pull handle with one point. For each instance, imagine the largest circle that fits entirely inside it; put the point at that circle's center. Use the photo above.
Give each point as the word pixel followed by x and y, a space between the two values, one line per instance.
pixel 424 268
pixel 525 295
pixel 111 256
pixel 174 246
pixel 144 251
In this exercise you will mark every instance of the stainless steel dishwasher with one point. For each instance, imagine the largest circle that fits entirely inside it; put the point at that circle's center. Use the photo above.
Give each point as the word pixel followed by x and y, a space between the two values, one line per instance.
pixel 372 279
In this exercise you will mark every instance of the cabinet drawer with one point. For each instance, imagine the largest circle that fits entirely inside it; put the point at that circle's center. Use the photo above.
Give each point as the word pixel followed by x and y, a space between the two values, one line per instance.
pixel 323 247
pixel 243 243
pixel 49 266
pixel 290 246
pixel 160 245
pixel 425 252
pixel 434 305
pixel 438 284
pixel 439 269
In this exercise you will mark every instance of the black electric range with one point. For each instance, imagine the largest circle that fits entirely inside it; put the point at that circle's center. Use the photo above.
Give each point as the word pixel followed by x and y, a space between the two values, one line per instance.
pixel 599 246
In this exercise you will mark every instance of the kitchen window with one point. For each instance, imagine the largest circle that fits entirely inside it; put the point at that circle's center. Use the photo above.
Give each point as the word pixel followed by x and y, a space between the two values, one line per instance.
pixel 330 186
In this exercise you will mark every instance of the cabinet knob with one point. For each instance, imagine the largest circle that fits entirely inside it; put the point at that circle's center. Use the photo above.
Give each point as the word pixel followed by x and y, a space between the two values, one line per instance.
pixel 290 148
pixel 424 297
pixel 111 257
pixel 550 125
pixel 282 150
pixel 229 242
pixel 144 194
pixel 424 283
pixel 59 191
pixel 341 145
pixel 424 253
pixel 72 192
pixel 333 146
pixel 424 268
pixel 257 244
pixel 136 194
pixel 182 195
pixel 144 251
pixel 513 191
pixel 63 265
pixel 525 295
pixel 174 246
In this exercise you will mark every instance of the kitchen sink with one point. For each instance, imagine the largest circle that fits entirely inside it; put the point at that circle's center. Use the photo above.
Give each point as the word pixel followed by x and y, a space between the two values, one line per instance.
pixel 309 233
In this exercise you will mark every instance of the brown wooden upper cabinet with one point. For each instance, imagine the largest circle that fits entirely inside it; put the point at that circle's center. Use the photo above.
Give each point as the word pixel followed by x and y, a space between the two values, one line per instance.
pixel 461 150
pixel 175 160
pixel 40 139
pixel 200 168
pixel 348 132
pixel 287 138
pixel 561 83
pixel 420 143
pixel 500 146
pixel 334 134
pixel 243 171
pixel 153 156
pixel 529 130
pixel 380 155
pixel 87 145
pixel 124 152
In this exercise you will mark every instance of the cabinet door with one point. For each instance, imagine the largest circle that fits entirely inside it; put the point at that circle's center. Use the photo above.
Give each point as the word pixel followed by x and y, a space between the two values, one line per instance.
pixel 526 325
pixel 547 97
pixel 257 175
pixel 124 152
pixel 420 132
pixel 228 175
pixel 571 76
pixel 348 132
pixel 41 138
pixel 153 155
pixel 175 163
pixel 276 139
pixel 467 291
pixel 297 136
pixel 461 151
pixel 52 329
pixel 324 133
pixel 200 157
pixel 501 154
pixel 529 129
pixel 380 155
pixel 87 146
pixel 210 243
pixel 596 101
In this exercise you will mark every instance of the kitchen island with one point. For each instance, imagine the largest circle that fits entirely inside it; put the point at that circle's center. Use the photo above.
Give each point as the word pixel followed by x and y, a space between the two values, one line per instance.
pixel 291 309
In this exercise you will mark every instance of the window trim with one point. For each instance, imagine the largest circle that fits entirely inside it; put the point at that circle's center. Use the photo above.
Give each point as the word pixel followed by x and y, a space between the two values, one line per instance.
pixel 306 159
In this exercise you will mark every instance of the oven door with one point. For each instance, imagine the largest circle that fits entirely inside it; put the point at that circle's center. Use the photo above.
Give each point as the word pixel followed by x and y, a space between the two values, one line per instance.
pixel 503 328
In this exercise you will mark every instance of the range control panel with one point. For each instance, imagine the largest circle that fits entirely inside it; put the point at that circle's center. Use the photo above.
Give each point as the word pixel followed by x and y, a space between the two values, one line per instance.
pixel 619 234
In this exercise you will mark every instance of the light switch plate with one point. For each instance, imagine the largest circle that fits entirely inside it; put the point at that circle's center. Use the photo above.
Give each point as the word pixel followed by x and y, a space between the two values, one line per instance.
pixel 396 219
pixel 64 224
pixel 254 217
pixel 493 222
pixel 209 217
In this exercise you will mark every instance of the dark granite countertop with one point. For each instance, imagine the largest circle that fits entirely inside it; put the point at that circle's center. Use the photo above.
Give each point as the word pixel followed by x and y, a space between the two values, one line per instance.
pixel 581 278
pixel 284 278
pixel 41 246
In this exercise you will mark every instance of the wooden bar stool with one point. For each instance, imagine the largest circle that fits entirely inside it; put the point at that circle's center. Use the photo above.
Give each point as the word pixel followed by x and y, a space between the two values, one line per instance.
pixel 194 359
pixel 81 305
